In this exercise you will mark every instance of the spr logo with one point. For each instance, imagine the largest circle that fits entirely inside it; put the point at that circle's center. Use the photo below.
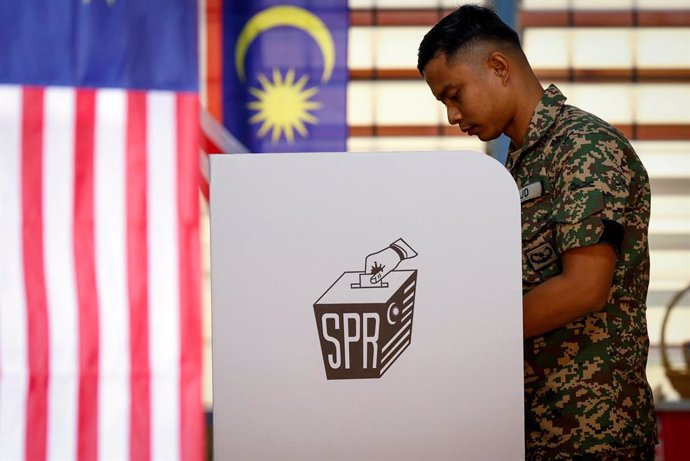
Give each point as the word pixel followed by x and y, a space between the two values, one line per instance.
pixel 365 318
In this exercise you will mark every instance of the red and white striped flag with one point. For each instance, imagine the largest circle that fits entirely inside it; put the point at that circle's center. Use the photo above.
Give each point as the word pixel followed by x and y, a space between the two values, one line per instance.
pixel 100 335
pixel 100 316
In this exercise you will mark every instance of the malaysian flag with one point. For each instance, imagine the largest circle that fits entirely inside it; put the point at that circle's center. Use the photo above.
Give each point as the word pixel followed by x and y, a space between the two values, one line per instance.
pixel 285 74
pixel 275 74
pixel 100 328
pixel 274 77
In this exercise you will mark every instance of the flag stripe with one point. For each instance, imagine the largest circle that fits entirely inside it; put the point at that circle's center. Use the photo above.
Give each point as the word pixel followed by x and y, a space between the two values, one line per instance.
pixel 100 322
pixel 58 197
pixel 110 239
pixel 13 321
pixel 203 174
pixel 164 325
pixel 137 275
pixel 84 256
pixel 34 275
pixel 191 411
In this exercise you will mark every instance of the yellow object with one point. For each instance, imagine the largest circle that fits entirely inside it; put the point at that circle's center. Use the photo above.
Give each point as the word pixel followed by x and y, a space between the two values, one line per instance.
pixel 291 16
pixel 283 106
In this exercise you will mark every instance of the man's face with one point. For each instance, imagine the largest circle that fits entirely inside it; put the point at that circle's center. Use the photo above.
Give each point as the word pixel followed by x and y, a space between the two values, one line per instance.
pixel 473 93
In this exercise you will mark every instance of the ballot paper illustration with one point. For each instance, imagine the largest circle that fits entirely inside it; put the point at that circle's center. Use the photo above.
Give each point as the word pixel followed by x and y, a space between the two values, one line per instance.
pixel 365 318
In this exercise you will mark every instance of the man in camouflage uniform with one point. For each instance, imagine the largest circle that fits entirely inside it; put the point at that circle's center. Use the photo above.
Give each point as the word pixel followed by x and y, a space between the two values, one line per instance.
pixel 585 260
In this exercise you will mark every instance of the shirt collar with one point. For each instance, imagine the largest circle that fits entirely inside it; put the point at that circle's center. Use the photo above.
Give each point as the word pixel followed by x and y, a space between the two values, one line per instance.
pixel 543 118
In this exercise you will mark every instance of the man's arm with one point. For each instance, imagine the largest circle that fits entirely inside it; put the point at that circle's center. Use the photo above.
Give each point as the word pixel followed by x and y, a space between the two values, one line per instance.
pixel 582 287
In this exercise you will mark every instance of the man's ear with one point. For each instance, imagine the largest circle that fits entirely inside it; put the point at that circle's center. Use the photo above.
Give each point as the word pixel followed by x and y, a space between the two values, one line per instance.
pixel 499 65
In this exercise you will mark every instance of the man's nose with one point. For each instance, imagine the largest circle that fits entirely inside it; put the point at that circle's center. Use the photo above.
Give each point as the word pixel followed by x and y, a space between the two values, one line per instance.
pixel 454 115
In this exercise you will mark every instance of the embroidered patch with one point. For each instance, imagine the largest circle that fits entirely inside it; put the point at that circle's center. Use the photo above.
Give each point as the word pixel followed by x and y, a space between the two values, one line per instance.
pixel 531 191
pixel 542 256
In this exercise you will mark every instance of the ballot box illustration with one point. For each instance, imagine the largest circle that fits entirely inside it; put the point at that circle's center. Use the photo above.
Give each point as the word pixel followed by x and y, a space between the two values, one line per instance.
pixel 364 327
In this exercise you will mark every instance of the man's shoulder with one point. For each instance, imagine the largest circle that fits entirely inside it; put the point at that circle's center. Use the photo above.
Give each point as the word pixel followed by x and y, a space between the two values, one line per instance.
pixel 578 123
pixel 582 136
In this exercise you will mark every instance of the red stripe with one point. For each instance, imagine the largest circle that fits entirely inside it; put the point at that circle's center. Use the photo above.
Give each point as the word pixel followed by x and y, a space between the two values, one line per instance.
pixel 203 179
pixel 85 269
pixel 191 411
pixel 209 146
pixel 34 275
pixel 203 186
pixel 137 276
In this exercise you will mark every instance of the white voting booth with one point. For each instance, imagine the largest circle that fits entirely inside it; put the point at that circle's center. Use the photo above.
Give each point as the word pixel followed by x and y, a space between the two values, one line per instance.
pixel 366 306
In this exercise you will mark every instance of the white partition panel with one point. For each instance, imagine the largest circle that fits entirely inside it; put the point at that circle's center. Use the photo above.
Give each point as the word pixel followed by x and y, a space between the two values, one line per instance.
pixel 314 360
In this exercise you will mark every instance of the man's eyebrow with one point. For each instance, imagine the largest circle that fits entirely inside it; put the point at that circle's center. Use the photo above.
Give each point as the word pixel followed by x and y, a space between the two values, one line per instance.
pixel 443 92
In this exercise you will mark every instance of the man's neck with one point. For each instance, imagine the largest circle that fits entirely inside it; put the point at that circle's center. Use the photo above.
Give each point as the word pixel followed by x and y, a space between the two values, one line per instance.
pixel 527 103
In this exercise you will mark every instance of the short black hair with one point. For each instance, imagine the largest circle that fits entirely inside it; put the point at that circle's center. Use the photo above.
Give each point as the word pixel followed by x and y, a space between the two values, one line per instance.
pixel 464 27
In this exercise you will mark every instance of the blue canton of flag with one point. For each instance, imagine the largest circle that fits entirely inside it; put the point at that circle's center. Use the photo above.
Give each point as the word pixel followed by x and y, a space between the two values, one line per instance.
pixel 286 75
pixel 100 43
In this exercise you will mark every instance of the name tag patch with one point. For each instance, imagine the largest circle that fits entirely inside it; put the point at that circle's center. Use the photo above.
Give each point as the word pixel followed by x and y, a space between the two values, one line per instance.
pixel 531 191
pixel 542 256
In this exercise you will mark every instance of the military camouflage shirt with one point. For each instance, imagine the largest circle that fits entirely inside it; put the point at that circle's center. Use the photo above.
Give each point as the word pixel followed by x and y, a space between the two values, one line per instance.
pixel 585 386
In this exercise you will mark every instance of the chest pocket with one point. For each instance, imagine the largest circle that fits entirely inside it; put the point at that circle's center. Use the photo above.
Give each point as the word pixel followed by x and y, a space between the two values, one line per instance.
pixel 539 258
pixel 537 207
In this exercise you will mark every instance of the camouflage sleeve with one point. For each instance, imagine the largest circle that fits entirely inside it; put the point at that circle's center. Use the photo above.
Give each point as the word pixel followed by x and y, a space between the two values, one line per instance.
pixel 592 187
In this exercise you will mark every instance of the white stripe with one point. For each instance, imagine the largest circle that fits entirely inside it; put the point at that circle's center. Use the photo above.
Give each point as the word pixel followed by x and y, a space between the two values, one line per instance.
pixel 13 327
pixel 408 332
pixel 410 286
pixel 164 310
pixel 220 136
pixel 404 317
pixel 404 346
pixel 408 297
pixel 58 250
pixel 403 328
pixel 408 305
pixel 111 251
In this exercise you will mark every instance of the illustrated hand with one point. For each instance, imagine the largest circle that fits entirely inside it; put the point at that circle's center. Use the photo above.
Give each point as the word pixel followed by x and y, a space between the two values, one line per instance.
pixel 381 263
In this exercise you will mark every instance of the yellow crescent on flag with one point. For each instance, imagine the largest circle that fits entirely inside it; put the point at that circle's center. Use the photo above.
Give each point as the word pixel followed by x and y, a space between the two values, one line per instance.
pixel 290 16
